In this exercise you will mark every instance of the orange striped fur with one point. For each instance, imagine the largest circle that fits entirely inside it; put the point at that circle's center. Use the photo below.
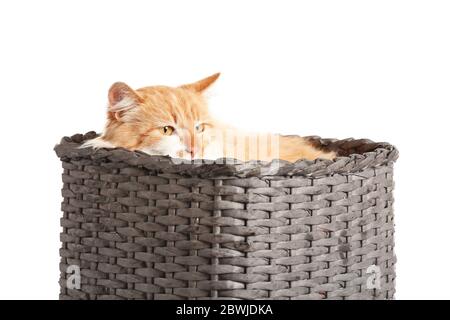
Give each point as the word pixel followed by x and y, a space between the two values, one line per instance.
pixel 175 121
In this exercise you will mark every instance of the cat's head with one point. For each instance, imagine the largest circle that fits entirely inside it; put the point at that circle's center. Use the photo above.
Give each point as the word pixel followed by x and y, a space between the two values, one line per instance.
pixel 160 120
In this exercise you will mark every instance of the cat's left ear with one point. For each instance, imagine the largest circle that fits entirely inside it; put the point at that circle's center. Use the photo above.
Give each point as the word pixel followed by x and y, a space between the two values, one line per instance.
pixel 203 84
pixel 122 100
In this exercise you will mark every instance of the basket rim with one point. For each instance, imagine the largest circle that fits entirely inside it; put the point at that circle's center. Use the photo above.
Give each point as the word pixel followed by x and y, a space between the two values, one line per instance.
pixel 354 155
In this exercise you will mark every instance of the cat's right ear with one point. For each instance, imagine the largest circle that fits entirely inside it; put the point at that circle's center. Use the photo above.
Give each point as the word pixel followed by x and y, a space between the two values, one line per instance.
pixel 122 101
pixel 201 85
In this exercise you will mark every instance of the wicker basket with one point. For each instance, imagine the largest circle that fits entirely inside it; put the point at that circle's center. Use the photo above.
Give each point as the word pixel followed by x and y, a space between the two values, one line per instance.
pixel 143 227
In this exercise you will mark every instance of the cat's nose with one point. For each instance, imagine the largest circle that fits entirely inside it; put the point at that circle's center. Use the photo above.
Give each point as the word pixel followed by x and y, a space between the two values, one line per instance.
pixel 191 151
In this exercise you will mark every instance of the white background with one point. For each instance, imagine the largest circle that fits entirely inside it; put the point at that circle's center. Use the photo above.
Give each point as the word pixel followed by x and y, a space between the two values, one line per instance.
pixel 375 69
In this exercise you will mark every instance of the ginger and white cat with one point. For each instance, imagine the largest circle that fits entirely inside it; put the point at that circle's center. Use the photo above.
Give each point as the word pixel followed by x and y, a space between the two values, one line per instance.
pixel 175 121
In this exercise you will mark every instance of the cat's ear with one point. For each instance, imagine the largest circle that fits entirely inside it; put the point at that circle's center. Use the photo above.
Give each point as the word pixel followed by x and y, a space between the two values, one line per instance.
pixel 122 101
pixel 203 84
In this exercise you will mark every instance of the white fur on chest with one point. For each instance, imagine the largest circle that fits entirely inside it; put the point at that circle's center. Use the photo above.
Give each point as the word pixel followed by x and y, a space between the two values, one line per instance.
pixel 212 151
pixel 97 143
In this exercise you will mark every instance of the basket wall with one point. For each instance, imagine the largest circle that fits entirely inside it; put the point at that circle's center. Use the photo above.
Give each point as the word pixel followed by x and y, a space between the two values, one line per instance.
pixel 139 233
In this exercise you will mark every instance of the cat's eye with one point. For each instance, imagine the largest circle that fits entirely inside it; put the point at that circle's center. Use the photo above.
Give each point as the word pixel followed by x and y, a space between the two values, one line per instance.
pixel 200 127
pixel 167 130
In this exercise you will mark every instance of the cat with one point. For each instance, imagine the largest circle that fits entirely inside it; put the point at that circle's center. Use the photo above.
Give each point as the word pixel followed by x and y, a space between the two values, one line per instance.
pixel 175 121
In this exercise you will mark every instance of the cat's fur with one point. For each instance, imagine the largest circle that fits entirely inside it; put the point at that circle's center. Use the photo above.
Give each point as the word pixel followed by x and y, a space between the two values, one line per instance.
pixel 143 119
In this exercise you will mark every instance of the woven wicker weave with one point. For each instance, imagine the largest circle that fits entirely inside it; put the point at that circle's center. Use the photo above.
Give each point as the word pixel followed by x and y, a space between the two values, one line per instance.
pixel 143 227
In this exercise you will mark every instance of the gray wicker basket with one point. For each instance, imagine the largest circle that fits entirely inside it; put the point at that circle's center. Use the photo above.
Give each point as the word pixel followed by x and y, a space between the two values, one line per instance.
pixel 143 227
